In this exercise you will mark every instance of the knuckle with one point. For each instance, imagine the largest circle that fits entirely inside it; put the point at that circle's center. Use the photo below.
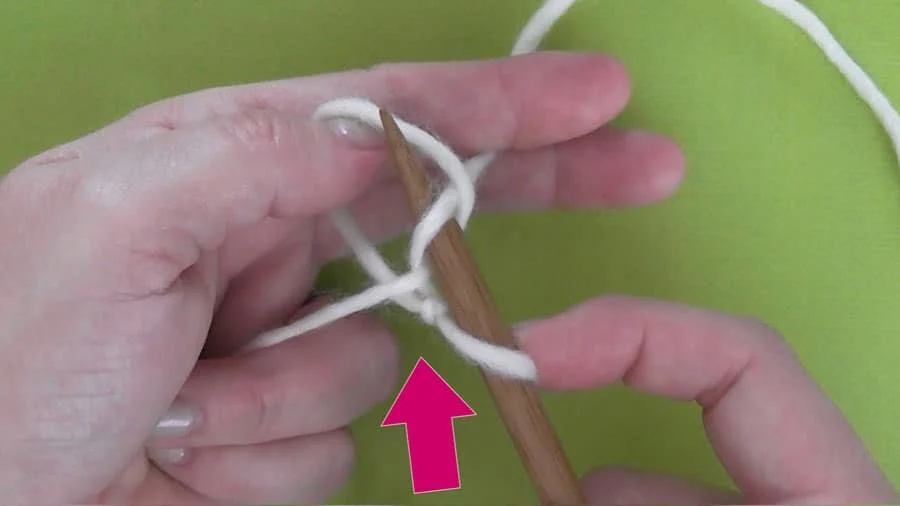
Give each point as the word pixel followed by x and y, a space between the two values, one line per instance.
pixel 257 130
pixel 509 117
pixel 164 113
pixel 77 201
pixel 58 155
pixel 256 403
pixel 144 258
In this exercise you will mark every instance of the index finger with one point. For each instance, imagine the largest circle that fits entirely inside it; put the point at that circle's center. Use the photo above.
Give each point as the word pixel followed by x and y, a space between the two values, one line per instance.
pixel 517 102
pixel 778 435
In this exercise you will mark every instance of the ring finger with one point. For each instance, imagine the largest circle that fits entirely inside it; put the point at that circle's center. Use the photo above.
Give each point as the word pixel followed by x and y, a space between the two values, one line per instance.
pixel 315 383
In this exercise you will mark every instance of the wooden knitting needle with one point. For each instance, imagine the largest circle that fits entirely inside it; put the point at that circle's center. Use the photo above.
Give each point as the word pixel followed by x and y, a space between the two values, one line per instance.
pixel 471 305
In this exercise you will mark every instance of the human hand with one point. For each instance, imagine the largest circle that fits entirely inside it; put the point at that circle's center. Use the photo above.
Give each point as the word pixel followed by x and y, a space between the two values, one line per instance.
pixel 779 437
pixel 136 260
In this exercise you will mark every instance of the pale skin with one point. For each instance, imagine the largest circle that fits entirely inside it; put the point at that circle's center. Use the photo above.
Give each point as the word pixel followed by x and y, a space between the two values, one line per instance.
pixel 136 260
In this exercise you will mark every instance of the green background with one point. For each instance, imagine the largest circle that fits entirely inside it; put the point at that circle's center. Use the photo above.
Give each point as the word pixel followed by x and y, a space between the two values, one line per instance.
pixel 790 209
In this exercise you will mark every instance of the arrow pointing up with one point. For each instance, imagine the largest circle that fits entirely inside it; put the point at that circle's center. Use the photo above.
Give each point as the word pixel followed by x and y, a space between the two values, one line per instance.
pixel 427 406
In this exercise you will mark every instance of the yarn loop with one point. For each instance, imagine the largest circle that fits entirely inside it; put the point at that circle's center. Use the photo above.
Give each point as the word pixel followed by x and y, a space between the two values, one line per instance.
pixel 413 291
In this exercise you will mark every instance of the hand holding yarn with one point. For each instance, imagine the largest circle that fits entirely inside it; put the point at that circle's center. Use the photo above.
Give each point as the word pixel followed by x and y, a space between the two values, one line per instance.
pixel 138 259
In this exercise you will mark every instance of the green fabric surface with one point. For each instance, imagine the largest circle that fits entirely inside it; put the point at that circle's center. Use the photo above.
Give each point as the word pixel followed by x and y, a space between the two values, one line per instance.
pixel 790 210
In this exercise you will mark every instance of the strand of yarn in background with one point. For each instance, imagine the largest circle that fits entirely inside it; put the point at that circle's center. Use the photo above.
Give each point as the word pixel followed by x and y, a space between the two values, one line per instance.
pixel 414 291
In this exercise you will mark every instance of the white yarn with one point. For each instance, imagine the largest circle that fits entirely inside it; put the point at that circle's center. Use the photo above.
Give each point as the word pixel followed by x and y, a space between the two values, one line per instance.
pixel 540 24
pixel 864 86
pixel 413 291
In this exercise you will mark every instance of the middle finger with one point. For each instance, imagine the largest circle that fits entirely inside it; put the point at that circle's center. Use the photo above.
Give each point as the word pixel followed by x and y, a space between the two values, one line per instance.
pixel 605 169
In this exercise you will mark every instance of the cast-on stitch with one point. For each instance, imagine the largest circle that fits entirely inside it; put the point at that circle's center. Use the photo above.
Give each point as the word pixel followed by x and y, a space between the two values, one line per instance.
pixel 413 291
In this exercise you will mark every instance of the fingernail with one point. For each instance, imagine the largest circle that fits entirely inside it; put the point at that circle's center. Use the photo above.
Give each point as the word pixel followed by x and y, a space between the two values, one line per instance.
pixel 179 421
pixel 168 455
pixel 357 133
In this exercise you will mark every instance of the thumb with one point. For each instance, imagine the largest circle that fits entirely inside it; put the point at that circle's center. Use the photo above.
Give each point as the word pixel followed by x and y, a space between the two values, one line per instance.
pixel 622 486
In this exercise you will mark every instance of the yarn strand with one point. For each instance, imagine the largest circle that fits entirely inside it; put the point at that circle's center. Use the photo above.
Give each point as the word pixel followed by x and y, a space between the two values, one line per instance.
pixel 864 86
pixel 414 291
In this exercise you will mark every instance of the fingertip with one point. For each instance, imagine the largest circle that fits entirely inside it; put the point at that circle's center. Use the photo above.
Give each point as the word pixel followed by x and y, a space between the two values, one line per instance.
pixel 613 169
pixel 341 452
pixel 570 349
pixel 607 87
pixel 662 162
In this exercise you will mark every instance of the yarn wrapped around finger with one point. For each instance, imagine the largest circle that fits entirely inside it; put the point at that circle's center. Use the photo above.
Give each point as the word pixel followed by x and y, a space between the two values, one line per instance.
pixel 414 291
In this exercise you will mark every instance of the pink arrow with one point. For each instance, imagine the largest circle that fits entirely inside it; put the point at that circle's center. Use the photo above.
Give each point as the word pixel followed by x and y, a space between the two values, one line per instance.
pixel 427 405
